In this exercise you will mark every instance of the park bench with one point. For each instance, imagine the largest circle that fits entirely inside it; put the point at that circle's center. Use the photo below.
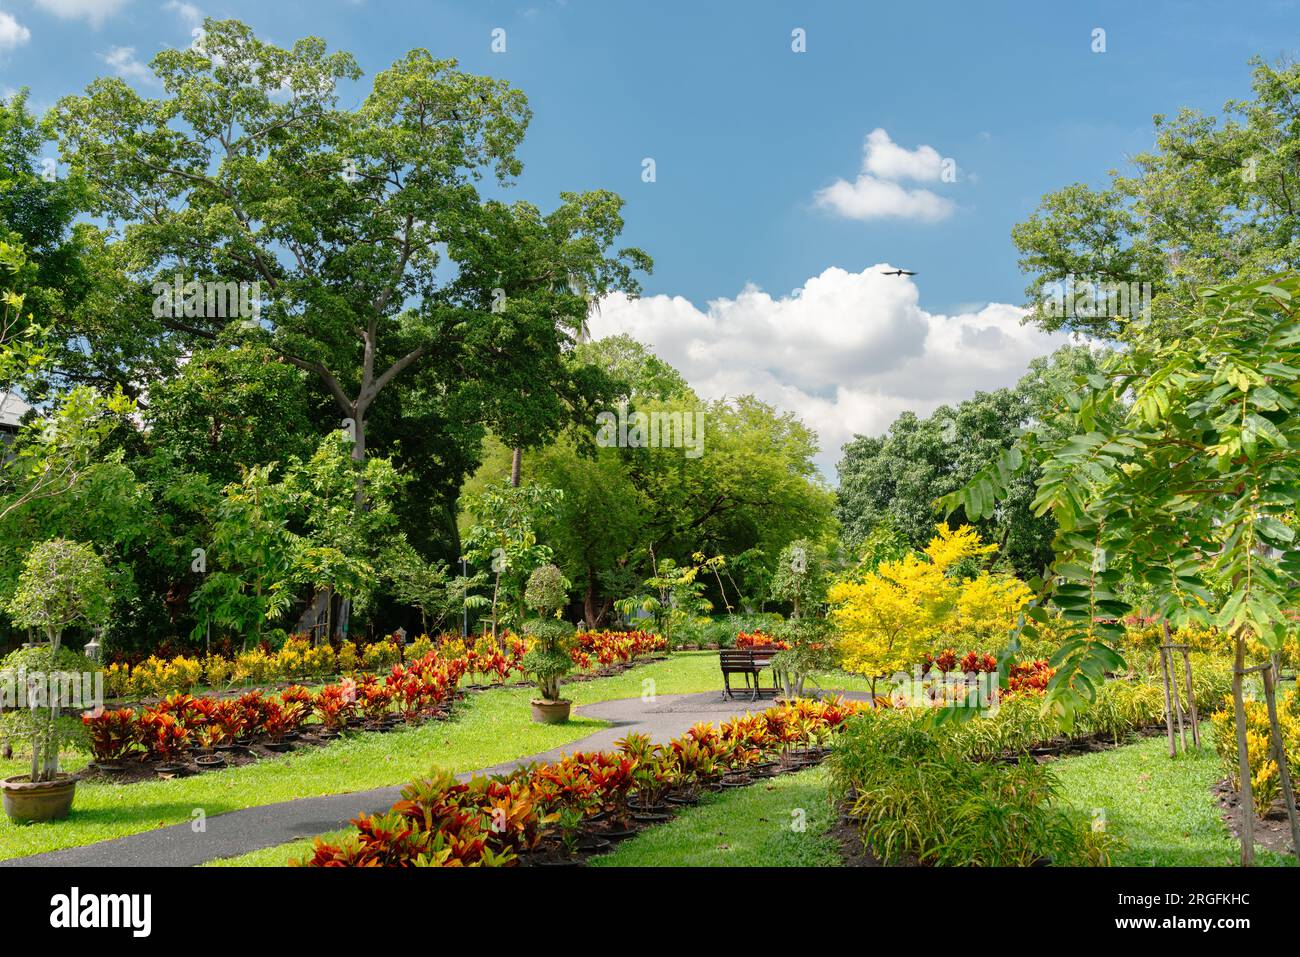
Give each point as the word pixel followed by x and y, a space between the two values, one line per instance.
pixel 748 662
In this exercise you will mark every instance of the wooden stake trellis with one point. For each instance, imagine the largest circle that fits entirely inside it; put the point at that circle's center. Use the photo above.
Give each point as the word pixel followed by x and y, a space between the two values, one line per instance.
pixel 1173 698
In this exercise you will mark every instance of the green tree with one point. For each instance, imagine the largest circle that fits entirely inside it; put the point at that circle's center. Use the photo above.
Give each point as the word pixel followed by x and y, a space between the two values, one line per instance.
pixel 548 660
pixel 251 556
pixel 504 539
pixel 801 577
pixel 97 324
pixel 248 170
pixel 1215 200
pixel 1193 483
pixel 432 589
pixel 63 583
pixel 893 480
pixel 231 408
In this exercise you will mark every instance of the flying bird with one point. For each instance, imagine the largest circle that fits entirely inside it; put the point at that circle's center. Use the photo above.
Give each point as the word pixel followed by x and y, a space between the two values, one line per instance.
pixel 899 272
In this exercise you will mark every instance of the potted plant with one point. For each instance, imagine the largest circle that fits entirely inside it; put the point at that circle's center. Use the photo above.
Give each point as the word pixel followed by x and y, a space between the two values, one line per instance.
pixel 549 660
pixel 166 739
pixel 62 583
pixel 113 735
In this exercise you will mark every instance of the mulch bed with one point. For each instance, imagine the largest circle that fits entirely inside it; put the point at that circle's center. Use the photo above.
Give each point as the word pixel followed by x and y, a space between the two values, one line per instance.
pixel 1272 831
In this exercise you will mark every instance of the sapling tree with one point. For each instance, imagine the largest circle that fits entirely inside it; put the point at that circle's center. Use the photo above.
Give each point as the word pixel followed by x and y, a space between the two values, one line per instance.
pixel 432 589
pixel 675 594
pixel 504 537
pixel 800 577
pixel 549 659
pixel 1184 458
pixel 62 584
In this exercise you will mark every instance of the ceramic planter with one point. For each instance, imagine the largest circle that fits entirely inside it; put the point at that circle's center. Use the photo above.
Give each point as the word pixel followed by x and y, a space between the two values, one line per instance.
pixel 551 712
pixel 26 802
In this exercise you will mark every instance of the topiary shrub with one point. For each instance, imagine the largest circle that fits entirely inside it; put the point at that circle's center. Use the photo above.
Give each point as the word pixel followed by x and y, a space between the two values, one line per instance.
pixel 549 660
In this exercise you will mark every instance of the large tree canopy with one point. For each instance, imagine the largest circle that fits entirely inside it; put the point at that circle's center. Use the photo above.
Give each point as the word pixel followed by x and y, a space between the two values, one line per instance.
pixel 892 481
pixel 363 230
pixel 1215 200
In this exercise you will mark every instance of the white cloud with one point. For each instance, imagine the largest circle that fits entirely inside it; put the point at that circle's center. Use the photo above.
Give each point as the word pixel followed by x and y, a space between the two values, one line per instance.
pixel 876 194
pixel 188 12
pixel 870 198
pixel 125 65
pixel 94 12
pixel 885 158
pixel 846 353
pixel 12 33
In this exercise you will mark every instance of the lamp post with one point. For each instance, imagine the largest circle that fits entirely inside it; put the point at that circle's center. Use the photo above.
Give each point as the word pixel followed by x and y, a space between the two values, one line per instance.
pixel 94 649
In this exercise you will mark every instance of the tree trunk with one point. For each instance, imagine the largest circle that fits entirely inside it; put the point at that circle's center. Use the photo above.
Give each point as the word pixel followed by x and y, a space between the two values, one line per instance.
pixel 496 590
pixel 1279 754
pixel 590 613
pixel 516 464
pixel 1245 797
pixel 52 714
pixel 359 458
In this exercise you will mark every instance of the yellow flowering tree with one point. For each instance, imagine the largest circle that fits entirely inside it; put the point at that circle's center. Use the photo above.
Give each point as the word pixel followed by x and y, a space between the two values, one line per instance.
pixel 986 608
pixel 889 617
pixel 886 620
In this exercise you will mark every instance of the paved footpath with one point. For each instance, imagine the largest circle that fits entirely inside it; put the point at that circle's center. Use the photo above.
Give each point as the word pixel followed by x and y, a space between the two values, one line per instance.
pixel 250 829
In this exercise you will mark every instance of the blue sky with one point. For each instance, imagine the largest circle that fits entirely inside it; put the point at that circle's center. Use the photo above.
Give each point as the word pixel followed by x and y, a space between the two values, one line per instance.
pixel 745 132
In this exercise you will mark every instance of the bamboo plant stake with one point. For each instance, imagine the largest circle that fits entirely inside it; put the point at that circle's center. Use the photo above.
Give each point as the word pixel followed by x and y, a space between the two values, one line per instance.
pixel 1169 707
pixel 1191 698
pixel 1279 754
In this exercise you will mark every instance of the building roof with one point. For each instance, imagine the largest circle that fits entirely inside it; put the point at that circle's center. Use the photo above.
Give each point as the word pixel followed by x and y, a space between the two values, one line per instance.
pixel 12 409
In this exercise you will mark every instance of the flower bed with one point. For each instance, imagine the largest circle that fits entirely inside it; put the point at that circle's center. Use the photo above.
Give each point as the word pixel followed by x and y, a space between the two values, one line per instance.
pixel 899 776
pixel 607 648
pixel 1265 778
pixel 760 639
pixel 184 733
pixel 915 800
pixel 559 812
pixel 298 660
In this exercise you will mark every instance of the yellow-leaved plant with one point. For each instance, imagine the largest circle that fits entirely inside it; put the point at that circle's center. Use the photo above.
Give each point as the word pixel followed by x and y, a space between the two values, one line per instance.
pixel 888 618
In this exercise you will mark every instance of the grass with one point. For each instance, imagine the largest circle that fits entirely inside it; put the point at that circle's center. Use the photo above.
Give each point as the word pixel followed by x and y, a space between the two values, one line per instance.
pixel 280 855
pixel 1161 807
pixel 488 728
pixel 747 827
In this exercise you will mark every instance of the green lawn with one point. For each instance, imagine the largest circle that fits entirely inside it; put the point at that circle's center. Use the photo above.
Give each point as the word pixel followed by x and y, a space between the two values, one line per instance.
pixel 487 729
pixel 281 855
pixel 1161 807
pixel 782 822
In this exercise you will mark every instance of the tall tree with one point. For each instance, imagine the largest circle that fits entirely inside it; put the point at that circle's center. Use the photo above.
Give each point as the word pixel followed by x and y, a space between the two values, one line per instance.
pixel 248 171
pixel 96 323
pixel 1183 458
pixel 893 480
pixel 1215 200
